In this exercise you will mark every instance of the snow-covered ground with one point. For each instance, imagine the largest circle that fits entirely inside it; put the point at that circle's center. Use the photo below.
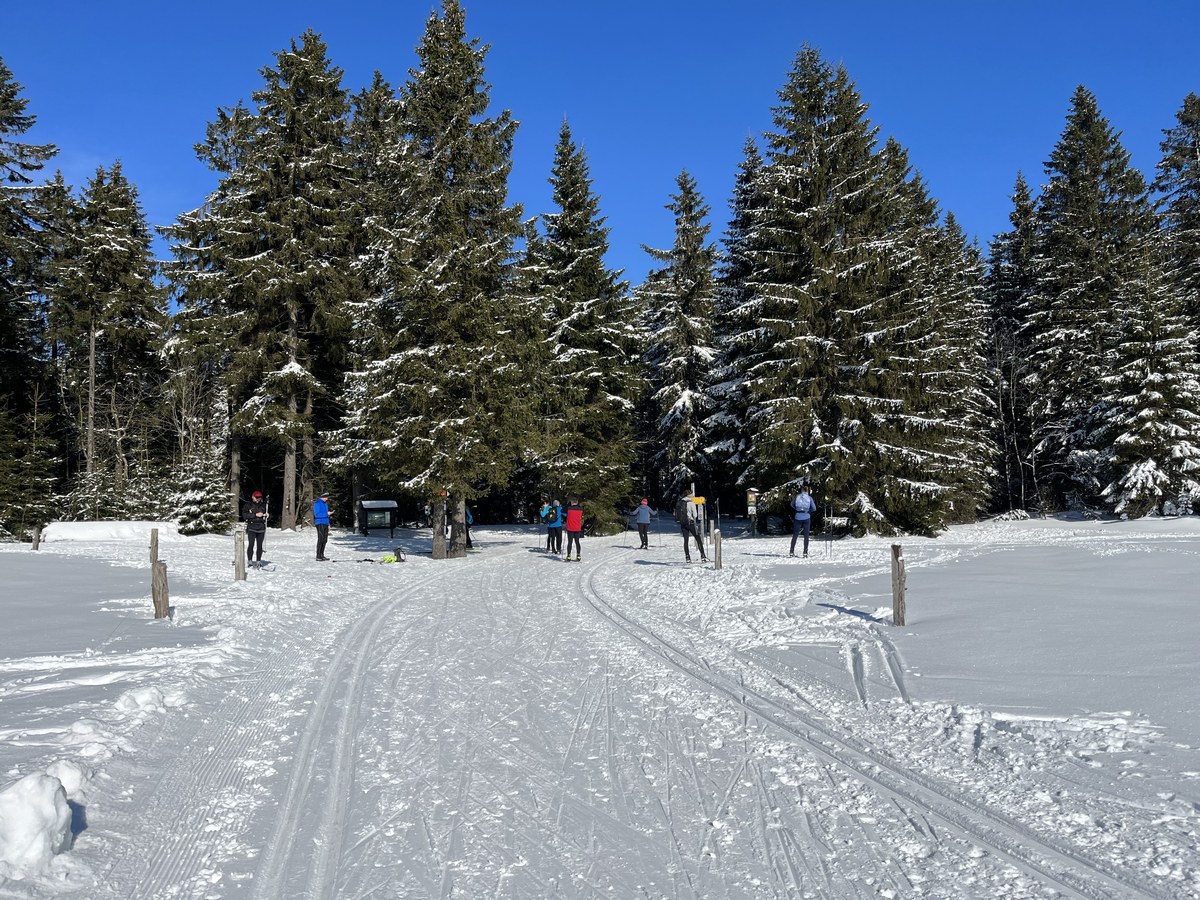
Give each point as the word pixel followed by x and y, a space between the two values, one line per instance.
pixel 512 726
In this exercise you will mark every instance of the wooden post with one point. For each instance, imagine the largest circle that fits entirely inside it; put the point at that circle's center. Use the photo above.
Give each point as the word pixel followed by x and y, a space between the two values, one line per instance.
pixel 898 584
pixel 239 553
pixel 158 589
pixel 716 548
pixel 153 546
pixel 37 537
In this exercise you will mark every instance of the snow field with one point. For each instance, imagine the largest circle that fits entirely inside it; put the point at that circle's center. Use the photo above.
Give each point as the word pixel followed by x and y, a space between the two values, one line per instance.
pixel 510 726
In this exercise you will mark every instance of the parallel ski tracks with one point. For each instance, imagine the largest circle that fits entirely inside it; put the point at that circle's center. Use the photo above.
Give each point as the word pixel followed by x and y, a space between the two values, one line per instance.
pixel 1052 862
pixel 325 795
pixel 204 797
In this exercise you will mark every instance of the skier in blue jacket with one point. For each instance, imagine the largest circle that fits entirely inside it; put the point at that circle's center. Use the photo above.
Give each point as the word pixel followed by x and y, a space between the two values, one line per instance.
pixel 321 520
pixel 552 515
pixel 804 506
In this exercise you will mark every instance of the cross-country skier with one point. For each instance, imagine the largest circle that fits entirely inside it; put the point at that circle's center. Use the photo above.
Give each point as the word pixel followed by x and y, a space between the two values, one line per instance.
pixel 574 529
pixel 552 515
pixel 642 517
pixel 255 516
pixel 321 520
pixel 688 515
pixel 804 506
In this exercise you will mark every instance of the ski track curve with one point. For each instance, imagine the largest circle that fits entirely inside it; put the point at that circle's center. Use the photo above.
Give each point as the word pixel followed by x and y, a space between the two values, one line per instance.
pixel 1051 862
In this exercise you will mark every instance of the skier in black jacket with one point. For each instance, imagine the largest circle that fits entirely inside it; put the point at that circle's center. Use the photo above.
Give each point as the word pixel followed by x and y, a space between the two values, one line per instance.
pixel 254 513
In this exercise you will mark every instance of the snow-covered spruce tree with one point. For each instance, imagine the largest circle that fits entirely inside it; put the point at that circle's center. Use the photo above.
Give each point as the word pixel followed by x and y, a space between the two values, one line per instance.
pixel 1153 417
pixel 1008 286
pixel 911 349
pixel 149 495
pixel 590 382
pixel 28 468
pixel 727 436
pixel 374 131
pixel 1093 218
pixel 442 405
pixel 810 244
pixel 1178 185
pixel 110 318
pixel 678 302
pixel 535 479
pixel 275 243
pixel 839 313
pixel 200 500
pixel 22 343
pixel 956 378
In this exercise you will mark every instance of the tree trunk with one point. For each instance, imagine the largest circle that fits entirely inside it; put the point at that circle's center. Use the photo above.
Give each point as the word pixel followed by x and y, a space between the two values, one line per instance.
pixel 287 519
pixel 307 460
pixel 458 528
pixel 120 461
pixel 90 453
pixel 438 520
pixel 235 474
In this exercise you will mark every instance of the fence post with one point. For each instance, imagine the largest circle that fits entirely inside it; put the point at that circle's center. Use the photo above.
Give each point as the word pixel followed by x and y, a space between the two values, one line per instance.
pixel 159 591
pixel 898 584
pixel 239 553
pixel 37 537
pixel 716 548
pixel 153 546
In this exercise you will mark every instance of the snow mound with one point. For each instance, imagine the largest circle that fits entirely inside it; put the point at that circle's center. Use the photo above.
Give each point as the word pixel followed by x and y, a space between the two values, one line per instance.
pixel 74 778
pixel 35 825
pixel 110 531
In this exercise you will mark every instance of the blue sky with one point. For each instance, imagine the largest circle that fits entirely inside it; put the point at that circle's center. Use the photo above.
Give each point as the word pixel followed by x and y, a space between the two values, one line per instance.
pixel 975 91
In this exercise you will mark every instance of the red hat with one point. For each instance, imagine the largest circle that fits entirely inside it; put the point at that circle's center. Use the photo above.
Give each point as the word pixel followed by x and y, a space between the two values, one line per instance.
pixel 256 494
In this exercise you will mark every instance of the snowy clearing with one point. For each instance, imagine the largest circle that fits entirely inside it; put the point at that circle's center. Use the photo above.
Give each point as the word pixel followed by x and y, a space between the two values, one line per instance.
pixel 512 726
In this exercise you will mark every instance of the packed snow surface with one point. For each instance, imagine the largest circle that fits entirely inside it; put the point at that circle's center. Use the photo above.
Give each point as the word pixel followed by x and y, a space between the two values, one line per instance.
pixel 510 725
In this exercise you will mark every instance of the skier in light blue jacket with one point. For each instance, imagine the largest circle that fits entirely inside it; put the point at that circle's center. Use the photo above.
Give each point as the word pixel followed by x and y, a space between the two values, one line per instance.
pixel 642 517
pixel 804 506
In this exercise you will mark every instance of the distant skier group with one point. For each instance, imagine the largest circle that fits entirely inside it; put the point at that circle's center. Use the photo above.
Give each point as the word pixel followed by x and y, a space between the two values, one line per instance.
pixel 255 512
pixel 557 518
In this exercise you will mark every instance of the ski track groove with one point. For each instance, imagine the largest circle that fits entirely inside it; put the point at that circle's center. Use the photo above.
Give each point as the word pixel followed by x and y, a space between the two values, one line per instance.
pixel 1041 857
pixel 353 645
pixel 186 801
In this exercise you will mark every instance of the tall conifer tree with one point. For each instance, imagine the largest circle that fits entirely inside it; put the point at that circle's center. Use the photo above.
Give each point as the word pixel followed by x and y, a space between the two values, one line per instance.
pixel 276 243
pixel 727 433
pixel 1178 184
pixel 589 326
pixel 1094 219
pixel 21 317
pixel 113 319
pixel 679 302
pixel 1152 427
pixel 1008 286
pixel 441 406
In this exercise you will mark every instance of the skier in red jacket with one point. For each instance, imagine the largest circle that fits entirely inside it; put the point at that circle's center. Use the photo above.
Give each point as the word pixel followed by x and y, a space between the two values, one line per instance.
pixel 574 528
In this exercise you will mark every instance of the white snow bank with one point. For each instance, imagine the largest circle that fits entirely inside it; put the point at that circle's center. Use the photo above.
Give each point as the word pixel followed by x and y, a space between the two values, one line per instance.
pixel 35 824
pixel 110 531
pixel 74 777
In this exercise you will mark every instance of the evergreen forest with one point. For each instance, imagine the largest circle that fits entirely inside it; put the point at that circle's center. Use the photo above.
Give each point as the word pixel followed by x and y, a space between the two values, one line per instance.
pixel 358 308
